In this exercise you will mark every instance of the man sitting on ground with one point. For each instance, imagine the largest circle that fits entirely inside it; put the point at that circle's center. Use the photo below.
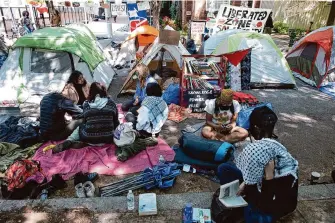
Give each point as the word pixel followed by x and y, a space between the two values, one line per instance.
pixel 53 125
pixel 221 115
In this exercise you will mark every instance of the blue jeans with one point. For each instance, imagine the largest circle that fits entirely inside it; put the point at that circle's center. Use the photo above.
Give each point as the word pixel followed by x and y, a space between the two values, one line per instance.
pixel 228 172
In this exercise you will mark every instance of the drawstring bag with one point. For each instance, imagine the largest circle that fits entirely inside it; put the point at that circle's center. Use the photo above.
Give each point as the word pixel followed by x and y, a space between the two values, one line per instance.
pixel 124 134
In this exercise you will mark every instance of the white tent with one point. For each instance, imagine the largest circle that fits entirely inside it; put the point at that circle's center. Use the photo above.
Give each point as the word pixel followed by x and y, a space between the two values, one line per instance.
pixel 268 66
pixel 42 62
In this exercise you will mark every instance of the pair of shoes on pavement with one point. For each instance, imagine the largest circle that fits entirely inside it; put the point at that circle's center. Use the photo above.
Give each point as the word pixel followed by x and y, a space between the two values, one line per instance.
pixel 86 189
pixel 84 184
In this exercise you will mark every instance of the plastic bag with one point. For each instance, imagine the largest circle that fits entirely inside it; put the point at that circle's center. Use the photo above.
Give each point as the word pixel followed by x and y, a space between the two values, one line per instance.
pixel 172 94
pixel 243 119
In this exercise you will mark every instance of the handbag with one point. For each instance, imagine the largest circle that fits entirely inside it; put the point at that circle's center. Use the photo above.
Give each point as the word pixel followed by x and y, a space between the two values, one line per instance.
pixel 243 119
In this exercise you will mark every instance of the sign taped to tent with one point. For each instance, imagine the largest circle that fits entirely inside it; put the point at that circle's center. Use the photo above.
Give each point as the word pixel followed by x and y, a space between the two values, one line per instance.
pixel 119 9
pixel 232 17
pixel 196 99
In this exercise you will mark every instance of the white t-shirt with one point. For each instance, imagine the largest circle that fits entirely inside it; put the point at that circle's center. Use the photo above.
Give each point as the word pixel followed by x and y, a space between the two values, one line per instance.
pixel 224 116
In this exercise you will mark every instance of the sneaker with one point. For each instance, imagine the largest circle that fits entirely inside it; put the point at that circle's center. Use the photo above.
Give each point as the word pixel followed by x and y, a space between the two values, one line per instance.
pixel 89 189
pixel 80 192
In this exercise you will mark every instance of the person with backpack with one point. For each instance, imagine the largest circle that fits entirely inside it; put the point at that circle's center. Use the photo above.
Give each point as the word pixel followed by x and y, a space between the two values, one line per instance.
pixel 221 116
pixel 269 180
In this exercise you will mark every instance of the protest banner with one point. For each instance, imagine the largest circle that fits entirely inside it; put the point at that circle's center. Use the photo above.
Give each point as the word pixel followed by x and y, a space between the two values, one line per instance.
pixel 232 17
pixel 119 9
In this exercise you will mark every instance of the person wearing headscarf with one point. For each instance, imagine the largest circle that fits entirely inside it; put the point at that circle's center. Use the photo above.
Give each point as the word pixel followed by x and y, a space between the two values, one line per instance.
pixel 77 88
pixel 221 116
pixel 147 121
pixel 269 177
pixel 144 78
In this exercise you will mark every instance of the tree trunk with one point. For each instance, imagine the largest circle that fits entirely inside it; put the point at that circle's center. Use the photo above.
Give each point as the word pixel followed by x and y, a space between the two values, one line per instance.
pixel 331 17
pixel 156 11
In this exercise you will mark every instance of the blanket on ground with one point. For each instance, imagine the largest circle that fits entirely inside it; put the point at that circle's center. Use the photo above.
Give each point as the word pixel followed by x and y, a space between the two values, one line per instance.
pixel 100 159
pixel 11 152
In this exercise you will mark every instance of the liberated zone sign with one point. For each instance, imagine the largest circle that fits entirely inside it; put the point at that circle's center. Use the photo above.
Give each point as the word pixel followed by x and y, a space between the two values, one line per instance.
pixel 232 17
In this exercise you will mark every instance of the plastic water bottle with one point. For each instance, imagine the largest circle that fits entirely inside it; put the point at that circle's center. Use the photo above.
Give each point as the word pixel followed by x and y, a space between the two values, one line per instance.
pixel 161 159
pixel 188 213
pixel 130 200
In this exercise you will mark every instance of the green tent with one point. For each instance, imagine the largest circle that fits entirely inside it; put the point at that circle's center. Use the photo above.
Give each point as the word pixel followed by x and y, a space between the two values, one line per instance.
pixel 68 39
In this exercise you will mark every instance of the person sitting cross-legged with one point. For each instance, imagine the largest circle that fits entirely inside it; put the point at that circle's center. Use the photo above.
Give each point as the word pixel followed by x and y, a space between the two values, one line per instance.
pixel 100 120
pixel 148 121
pixel 221 115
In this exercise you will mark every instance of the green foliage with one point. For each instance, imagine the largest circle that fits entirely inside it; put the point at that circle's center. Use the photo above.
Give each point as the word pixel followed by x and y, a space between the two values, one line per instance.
pixel 280 27
pixel 173 11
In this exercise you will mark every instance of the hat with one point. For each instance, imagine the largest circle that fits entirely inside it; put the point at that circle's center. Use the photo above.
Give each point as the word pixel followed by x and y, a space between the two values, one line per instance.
pixel 226 96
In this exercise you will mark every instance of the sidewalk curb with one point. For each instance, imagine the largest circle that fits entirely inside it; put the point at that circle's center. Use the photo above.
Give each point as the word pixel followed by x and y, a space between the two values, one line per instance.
pixel 165 202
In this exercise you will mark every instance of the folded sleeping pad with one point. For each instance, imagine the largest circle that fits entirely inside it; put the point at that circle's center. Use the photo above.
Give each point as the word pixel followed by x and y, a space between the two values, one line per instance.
pixel 202 149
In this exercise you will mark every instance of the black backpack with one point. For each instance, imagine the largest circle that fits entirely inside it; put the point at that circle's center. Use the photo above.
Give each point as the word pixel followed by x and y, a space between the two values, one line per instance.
pixel 262 123
pixel 222 214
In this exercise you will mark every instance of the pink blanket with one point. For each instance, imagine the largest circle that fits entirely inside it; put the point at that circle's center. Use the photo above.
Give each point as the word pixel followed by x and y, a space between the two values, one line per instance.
pixel 100 159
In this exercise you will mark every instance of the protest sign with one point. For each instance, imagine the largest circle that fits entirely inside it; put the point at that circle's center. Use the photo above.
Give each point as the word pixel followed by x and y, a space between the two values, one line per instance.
pixel 197 29
pixel 196 99
pixel 232 17
pixel 143 6
pixel 120 9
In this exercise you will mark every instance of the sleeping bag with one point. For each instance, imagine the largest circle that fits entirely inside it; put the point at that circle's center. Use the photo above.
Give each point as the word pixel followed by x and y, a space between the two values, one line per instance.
pixel 204 149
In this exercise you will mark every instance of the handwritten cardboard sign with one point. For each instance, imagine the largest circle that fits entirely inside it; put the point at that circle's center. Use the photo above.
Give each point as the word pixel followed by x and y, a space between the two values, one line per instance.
pixel 232 17
pixel 143 6
pixel 169 37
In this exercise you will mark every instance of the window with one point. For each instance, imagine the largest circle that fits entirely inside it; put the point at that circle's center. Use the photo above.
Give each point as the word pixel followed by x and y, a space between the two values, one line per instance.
pixel 43 61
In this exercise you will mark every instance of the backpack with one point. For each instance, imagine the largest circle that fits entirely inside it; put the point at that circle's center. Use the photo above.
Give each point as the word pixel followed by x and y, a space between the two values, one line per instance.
pixel 222 214
pixel 262 123
pixel 19 171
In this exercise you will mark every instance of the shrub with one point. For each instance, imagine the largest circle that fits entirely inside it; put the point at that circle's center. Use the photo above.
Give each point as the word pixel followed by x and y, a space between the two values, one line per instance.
pixel 280 27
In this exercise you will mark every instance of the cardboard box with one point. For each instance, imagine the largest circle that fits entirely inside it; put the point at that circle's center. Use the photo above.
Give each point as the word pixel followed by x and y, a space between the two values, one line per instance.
pixel 169 37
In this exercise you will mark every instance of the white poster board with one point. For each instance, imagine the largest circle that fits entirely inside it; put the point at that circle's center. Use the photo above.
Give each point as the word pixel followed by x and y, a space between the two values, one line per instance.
pixel 119 9
pixel 143 6
pixel 197 29
pixel 232 17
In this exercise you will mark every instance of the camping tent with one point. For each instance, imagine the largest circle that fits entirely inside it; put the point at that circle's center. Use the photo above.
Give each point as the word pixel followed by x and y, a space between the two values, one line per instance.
pixel 43 61
pixel 145 35
pixel 268 66
pixel 158 53
pixel 313 58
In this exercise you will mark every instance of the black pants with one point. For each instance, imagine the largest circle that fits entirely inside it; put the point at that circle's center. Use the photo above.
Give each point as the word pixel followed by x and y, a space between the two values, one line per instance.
pixel 66 132
pixel 129 106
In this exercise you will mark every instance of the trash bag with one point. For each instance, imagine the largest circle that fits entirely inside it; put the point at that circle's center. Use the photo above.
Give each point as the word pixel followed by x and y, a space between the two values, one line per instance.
pixel 172 94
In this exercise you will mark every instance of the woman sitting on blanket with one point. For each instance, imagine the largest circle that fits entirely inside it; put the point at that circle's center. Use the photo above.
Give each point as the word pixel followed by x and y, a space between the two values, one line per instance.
pixel 270 180
pixel 221 115
pixel 148 121
pixel 144 78
pixel 77 88
pixel 100 120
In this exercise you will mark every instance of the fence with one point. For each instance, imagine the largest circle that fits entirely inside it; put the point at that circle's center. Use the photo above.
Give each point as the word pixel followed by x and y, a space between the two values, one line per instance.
pixel 10 17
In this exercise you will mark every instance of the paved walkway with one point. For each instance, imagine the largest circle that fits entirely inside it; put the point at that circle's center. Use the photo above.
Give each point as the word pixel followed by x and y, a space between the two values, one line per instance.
pixel 316 204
